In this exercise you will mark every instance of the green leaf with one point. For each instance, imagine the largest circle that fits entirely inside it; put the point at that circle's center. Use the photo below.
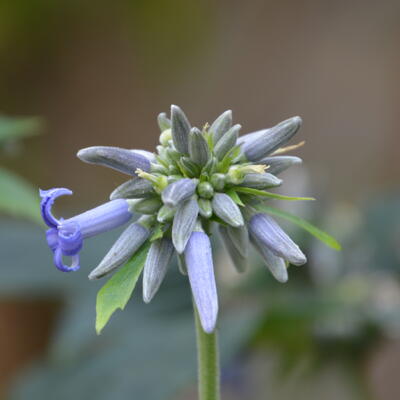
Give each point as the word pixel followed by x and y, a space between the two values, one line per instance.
pixel 157 234
pixel 118 289
pixel 16 128
pixel 256 192
pixel 233 153
pixel 235 197
pixel 17 197
pixel 321 235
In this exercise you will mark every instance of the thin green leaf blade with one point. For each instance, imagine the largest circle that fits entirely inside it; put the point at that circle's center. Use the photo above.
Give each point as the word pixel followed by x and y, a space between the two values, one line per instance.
pixel 313 230
pixel 235 197
pixel 117 291
pixel 18 197
pixel 262 193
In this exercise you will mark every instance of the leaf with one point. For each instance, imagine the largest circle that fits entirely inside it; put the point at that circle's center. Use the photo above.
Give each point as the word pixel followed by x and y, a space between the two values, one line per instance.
pixel 256 192
pixel 321 235
pixel 232 154
pixel 118 289
pixel 157 234
pixel 17 197
pixel 16 128
pixel 235 197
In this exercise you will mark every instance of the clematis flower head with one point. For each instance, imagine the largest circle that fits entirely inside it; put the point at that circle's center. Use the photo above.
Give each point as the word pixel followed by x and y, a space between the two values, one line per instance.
pixel 197 178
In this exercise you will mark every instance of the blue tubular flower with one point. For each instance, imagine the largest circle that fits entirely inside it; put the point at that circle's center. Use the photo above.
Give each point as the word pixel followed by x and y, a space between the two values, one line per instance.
pixel 196 179
pixel 200 268
pixel 65 237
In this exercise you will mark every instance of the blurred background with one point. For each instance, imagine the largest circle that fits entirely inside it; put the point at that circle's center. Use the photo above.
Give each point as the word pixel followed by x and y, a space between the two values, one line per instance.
pixel 78 73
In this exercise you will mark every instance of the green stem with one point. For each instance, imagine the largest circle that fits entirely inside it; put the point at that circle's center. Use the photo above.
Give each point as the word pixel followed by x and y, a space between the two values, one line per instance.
pixel 208 362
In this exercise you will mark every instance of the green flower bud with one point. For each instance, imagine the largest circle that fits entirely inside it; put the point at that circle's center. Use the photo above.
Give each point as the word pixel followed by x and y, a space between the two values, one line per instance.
pixel 227 141
pixel 218 181
pixel 198 147
pixel 147 206
pixel 205 208
pixel 205 190
pixel 165 137
pixel 163 122
pixel 165 214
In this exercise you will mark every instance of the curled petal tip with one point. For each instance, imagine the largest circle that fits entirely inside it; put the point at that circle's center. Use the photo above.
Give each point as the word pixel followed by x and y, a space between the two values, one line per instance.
pixel 59 263
pixel 48 198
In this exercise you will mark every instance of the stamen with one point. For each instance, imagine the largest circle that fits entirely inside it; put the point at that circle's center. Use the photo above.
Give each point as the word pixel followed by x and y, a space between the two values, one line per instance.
pixel 288 148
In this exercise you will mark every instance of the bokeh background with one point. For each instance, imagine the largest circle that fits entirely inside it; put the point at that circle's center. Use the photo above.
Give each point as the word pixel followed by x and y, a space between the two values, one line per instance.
pixel 83 73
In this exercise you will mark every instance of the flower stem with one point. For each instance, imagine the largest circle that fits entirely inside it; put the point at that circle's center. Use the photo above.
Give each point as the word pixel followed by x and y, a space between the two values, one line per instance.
pixel 208 361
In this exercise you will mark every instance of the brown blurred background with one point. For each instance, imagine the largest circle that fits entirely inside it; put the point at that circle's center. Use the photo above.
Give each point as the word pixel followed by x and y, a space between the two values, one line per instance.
pixel 100 72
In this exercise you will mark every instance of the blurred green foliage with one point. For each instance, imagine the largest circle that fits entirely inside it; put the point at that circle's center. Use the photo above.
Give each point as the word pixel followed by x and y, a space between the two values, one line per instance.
pixel 18 197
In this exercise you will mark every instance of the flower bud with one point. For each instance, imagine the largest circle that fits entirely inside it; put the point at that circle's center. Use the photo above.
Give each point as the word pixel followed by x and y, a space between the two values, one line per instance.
pixel 179 191
pixel 155 268
pixel 276 265
pixel 190 168
pixel 147 206
pixel 165 214
pixel 199 263
pixel 226 209
pixel 226 142
pixel 239 237
pixel 198 147
pixel 267 233
pixel 163 122
pixel 221 125
pixel 133 189
pixel 218 181
pixel 271 139
pixel 278 164
pixel 260 181
pixel 205 208
pixel 122 250
pixel 184 223
pixel 238 261
pixel 122 160
pixel 180 128
pixel 205 190
pixel 165 137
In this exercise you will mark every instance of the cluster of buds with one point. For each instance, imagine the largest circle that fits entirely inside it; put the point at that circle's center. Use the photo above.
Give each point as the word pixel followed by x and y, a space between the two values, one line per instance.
pixel 196 180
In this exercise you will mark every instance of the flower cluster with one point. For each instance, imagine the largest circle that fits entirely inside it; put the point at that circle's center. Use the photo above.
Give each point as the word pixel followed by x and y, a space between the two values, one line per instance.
pixel 197 179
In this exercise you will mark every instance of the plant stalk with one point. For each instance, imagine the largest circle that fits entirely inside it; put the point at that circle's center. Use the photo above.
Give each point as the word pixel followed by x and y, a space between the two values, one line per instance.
pixel 208 362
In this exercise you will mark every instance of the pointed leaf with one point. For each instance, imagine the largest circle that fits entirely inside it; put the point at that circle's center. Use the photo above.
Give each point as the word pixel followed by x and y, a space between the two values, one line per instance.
pixel 256 192
pixel 116 293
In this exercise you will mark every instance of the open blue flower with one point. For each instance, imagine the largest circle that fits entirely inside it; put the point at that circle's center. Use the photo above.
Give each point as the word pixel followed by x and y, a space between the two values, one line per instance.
pixel 65 236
